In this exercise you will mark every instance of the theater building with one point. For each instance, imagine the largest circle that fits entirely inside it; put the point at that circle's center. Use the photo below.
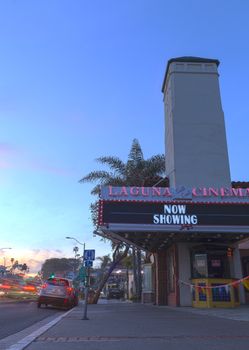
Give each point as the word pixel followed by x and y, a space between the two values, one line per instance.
pixel 193 224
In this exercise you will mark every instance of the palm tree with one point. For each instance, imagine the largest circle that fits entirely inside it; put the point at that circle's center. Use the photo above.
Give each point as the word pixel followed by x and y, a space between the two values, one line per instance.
pixel 128 265
pixel 137 171
pixel 76 255
pixel 120 251
pixel 105 261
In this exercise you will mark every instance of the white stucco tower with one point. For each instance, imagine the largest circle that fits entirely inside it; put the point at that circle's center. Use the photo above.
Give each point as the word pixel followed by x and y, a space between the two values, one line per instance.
pixel 195 136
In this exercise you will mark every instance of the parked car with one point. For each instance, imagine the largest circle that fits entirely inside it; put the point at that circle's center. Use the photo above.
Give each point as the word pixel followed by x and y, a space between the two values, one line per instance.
pixel 58 291
pixel 115 293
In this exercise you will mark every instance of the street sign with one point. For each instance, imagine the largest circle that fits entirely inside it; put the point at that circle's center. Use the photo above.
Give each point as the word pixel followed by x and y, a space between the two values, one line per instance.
pixel 88 263
pixel 82 273
pixel 89 254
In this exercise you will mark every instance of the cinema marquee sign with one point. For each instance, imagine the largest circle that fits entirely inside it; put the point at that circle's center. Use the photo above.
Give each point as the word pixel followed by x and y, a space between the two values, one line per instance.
pixel 175 213
pixel 169 194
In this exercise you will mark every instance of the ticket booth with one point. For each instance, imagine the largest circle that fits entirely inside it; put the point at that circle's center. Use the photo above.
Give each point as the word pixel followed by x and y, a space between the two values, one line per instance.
pixel 212 280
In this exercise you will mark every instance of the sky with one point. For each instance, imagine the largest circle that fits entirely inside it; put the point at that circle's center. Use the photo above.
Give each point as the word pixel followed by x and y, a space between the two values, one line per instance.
pixel 81 79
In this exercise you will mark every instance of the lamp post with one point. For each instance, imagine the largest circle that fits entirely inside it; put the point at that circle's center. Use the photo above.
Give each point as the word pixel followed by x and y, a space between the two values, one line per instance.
pixel 83 244
pixel 87 277
pixel 4 257
pixel 78 242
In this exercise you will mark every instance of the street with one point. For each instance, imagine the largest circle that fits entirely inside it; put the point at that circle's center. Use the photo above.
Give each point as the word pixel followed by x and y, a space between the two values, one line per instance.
pixel 16 316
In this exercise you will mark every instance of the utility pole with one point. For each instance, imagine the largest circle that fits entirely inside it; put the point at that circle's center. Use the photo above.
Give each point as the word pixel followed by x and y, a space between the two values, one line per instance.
pixel 89 256
pixel 87 261
pixel 86 293
pixel 86 288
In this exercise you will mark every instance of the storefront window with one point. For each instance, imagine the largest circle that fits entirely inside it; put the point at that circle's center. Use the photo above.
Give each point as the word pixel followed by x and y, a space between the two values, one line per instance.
pixel 210 262
pixel 147 278
pixel 200 267
pixel 216 266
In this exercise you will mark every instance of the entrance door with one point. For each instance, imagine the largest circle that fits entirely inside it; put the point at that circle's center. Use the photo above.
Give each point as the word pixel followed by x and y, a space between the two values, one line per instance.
pixel 172 277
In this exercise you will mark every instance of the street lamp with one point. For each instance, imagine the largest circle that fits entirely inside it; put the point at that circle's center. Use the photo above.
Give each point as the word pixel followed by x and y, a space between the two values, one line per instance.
pixel 83 244
pixel 86 286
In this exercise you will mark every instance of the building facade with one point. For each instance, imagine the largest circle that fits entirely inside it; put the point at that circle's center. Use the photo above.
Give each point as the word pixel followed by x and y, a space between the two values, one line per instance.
pixel 192 227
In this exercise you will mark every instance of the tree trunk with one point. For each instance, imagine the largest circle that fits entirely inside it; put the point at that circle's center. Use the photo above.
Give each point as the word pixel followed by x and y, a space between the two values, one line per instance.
pixel 135 284
pixel 127 283
pixel 139 275
pixel 107 275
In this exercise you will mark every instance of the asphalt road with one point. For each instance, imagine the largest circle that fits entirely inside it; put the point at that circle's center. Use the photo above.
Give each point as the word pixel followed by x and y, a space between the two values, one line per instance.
pixel 16 316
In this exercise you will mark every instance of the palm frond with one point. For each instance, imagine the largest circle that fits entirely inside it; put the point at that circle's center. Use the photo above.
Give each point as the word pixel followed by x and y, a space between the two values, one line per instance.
pixel 112 180
pixel 155 166
pixel 158 158
pixel 114 163
pixel 96 190
pixel 99 175
pixel 116 181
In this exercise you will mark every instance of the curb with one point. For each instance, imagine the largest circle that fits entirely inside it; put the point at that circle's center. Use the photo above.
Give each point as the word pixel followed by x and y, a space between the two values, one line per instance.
pixel 24 342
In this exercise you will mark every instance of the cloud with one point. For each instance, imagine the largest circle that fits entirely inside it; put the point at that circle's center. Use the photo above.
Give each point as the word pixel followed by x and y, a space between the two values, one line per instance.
pixel 13 158
pixel 34 258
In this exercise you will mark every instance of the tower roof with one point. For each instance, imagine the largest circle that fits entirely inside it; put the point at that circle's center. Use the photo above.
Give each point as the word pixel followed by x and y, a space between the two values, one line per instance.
pixel 188 59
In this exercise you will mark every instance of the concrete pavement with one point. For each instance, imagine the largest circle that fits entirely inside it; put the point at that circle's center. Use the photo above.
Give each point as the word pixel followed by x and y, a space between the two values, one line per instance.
pixel 128 326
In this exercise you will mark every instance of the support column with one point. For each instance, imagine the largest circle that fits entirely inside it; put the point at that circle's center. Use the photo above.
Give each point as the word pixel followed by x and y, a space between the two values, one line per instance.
pixel 161 278
pixel 238 272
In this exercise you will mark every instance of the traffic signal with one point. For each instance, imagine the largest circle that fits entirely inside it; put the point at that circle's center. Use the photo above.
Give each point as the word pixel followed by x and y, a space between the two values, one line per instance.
pixel 52 275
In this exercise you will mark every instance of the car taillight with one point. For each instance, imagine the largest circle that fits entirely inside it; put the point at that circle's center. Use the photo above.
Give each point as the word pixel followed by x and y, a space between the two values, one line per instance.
pixel 44 286
pixel 69 290
pixel 5 286
pixel 29 288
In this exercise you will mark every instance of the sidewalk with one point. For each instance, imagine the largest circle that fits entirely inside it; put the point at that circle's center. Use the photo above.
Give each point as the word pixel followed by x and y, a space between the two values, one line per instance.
pixel 240 313
pixel 128 326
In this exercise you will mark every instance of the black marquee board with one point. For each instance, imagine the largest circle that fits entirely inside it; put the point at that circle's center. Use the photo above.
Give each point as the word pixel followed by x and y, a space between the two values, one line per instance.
pixel 220 214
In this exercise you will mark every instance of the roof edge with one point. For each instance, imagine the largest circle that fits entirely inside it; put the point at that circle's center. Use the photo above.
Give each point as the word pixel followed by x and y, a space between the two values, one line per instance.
pixel 188 59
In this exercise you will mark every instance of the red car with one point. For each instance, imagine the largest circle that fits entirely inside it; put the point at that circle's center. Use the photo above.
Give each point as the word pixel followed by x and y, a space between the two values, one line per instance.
pixel 58 292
